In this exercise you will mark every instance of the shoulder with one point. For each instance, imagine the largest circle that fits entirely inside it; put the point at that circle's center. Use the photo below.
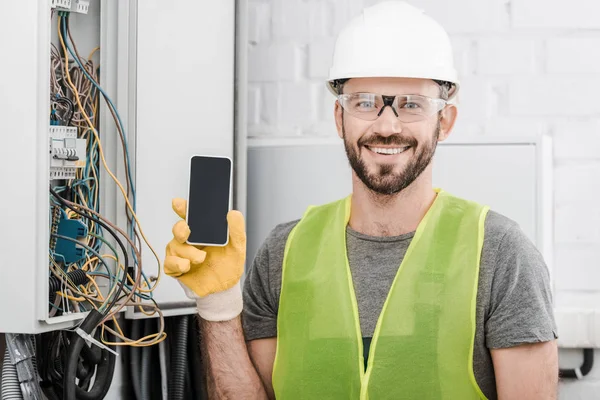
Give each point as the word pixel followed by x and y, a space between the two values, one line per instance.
pixel 504 239
pixel 497 226
pixel 514 286
pixel 269 258
pixel 275 242
pixel 506 247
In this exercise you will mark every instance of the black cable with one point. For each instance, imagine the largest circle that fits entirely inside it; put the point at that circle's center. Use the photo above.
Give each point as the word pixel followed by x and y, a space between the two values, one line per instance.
pixel 112 233
pixel 135 352
pixel 78 277
pixel 146 364
pixel 179 358
pixel 87 326
pixel 584 369
pixel 104 370
pixel 71 107
pixel 195 357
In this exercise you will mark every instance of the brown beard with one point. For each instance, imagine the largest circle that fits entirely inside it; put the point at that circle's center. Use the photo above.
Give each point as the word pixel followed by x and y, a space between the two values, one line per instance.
pixel 385 181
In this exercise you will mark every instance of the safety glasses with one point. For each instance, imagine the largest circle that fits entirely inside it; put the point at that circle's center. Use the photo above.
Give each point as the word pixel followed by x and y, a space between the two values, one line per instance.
pixel 407 108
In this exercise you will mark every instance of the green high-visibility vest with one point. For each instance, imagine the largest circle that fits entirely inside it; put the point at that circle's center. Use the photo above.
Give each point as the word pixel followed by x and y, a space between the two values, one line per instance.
pixel 422 347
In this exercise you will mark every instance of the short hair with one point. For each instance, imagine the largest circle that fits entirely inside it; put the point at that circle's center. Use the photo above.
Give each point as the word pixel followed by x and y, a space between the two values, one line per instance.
pixel 445 88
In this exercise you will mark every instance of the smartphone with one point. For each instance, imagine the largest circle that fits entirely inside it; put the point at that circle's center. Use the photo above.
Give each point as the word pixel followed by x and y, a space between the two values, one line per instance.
pixel 209 200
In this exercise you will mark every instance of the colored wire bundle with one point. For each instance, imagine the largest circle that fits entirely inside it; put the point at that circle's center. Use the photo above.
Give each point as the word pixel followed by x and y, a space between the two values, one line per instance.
pixel 105 273
pixel 75 80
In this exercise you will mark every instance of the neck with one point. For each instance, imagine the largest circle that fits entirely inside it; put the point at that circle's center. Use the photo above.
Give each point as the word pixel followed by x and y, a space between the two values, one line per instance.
pixel 391 215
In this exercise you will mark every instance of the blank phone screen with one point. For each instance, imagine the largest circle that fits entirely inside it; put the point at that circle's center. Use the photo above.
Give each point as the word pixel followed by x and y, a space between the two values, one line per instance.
pixel 208 200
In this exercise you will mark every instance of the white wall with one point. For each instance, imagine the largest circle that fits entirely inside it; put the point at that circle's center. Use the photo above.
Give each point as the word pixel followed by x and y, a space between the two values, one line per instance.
pixel 527 66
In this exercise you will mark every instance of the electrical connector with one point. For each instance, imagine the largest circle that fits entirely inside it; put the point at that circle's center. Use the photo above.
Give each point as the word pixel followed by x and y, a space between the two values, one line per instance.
pixel 67 152
pixel 54 221
pixel 67 251
pixel 80 6
pixel 63 4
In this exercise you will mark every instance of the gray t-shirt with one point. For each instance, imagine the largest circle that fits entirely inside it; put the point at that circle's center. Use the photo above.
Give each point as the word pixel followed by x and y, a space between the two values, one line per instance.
pixel 514 300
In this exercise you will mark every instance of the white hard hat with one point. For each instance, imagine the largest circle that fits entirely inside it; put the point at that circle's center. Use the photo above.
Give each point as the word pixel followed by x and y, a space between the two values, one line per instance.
pixel 393 39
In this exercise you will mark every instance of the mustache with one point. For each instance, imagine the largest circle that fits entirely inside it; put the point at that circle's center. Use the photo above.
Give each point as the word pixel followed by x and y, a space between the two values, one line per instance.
pixel 396 140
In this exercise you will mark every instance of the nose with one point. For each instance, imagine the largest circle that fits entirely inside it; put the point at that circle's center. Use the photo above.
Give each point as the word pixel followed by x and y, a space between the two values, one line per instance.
pixel 387 124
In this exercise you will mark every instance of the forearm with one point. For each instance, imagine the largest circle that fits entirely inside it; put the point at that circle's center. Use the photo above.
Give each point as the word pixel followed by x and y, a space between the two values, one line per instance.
pixel 230 372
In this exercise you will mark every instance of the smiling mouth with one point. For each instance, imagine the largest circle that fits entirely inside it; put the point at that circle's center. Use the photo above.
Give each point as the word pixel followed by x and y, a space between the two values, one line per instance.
pixel 387 150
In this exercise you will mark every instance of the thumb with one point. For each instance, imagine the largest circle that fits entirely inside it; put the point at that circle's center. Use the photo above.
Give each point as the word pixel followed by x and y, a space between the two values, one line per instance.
pixel 237 229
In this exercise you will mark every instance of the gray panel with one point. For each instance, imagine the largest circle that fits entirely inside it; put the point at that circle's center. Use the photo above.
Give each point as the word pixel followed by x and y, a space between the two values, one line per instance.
pixel 502 176
pixel 185 107
pixel 284 180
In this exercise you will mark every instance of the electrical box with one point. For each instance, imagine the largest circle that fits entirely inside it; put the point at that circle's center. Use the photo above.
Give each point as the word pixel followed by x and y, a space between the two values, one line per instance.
pixel 63 136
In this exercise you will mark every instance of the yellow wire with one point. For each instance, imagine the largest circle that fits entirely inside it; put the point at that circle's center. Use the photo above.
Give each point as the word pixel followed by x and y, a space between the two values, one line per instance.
pixel 101 151
pixel 89 261
pixel 120 265
pixel 77 299
pixel 136 343
pixel 98 292
pixel 141 308
pixel 93 170
pixel 130 342
pixel 92 54
pixel 118 326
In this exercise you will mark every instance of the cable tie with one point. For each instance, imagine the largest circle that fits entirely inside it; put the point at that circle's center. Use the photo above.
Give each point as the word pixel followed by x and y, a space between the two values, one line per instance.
pixel 88 338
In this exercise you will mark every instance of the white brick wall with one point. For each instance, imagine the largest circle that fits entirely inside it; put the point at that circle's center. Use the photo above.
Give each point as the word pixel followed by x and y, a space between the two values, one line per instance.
pixel 499 56
pixel 555 14
pixel 572 55
pixel 527 67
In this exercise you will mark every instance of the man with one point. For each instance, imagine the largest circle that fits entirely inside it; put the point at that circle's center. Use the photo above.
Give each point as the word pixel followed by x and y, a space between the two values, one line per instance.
pixel 399 291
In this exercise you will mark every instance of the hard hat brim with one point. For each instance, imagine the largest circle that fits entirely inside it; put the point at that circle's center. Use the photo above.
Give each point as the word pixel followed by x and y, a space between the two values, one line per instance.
pixel 451 94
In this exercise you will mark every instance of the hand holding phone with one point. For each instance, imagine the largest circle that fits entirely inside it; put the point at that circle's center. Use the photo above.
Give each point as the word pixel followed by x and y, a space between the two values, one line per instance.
pixel 207 270
pixel 210 269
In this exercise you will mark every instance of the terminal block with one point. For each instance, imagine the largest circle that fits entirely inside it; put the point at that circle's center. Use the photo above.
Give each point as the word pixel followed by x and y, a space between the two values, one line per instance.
pixel 61 4
pixel 67 251
pixel 67 152
pixel 80 6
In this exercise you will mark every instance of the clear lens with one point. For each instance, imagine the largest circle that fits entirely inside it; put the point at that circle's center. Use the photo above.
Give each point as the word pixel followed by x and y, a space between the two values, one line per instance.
pixel 408 108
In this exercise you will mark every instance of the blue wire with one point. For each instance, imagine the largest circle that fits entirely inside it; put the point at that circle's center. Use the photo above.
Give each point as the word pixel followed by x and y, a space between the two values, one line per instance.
pixel 65 37
pixel 57 307
pixel 107 98
pixel 88 248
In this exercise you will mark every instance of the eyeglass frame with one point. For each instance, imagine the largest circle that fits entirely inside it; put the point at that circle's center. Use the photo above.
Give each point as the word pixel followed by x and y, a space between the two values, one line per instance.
pixel 389 100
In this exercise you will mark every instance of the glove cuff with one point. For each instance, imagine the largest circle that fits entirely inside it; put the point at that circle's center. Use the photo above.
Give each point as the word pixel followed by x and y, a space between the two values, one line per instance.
pixel 221 306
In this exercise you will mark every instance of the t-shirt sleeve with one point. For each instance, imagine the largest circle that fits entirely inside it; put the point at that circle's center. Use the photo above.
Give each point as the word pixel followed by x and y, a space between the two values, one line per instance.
pixel 259 316
pixel 521 308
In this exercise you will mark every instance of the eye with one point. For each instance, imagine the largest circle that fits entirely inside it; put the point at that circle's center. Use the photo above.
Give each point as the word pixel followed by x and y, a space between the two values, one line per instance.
pixel 411 106
pixel 365 104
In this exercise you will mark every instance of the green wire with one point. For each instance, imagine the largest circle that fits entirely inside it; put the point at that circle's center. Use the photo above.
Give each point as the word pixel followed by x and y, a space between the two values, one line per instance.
pixel 107 244
pixel 114 251
pixel 94 252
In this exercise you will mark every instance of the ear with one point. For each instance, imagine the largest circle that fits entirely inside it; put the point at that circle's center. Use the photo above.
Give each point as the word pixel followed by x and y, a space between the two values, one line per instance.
pixel 447 121
pixel 339 119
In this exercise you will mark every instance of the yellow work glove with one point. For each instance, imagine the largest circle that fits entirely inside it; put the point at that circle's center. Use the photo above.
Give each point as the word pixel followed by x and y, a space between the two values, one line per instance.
pixel 209 275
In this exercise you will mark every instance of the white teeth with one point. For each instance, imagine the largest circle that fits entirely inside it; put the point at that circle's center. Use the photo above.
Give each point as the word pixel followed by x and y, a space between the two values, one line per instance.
pixel 387 150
